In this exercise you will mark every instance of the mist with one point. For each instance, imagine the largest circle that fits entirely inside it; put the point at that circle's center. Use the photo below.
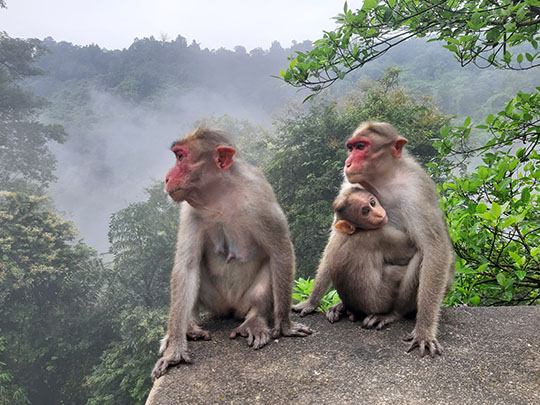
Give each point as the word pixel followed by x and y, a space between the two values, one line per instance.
pixel 129 150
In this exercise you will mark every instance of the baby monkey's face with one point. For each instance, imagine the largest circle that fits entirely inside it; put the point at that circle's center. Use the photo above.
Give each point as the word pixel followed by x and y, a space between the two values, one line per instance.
pixel 359 210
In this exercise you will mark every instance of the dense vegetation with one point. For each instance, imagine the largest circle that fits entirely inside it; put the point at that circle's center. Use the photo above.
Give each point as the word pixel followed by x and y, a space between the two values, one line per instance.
pixel 77 327
pixel 492 209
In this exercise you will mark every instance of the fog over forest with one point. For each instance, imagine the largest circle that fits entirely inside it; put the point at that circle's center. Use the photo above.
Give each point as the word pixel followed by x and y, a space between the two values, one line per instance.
pixel 118 141
pixel 130 149
pixel 122 109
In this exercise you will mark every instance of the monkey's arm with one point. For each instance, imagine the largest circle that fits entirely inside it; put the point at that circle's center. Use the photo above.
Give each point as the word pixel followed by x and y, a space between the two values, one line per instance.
pixel 431 237
pixel 322 281
pixel 397 247
pixel 281 255
pixel 184 292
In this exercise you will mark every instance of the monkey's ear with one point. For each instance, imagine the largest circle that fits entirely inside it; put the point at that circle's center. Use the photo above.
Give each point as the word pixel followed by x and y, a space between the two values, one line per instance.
pixel 345 227
pixel 397 147
pixel 223 157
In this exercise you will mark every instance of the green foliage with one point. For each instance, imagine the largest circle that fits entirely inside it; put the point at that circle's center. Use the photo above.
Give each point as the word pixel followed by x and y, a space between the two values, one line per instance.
pixel 24 155
pixel 302 290
pixel 305 170
pixel 10 393
pixel 142 238
pixel 142 241
pixel 122 376
pixel 48 296
pixel 493 211
pixel 479 31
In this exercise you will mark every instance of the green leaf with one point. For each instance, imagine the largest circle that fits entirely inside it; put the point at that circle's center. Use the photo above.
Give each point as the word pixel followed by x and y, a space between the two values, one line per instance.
pixel 501 279
pixel 483 172
pixel 496 209
pixel 475 301
pixel 481 208
pixel 293 63
pixel 521 274
pixel 369 4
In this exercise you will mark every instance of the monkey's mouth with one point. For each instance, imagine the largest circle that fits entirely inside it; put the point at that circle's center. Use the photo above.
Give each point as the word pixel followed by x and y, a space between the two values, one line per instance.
pixel 177 194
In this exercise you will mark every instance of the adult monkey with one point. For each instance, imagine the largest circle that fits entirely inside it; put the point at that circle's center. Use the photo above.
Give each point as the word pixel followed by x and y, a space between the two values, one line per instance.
pixel 234 255
pixel 376 160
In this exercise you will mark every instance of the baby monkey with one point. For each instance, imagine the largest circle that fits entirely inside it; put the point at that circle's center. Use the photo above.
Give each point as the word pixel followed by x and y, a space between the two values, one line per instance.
pixel 366 259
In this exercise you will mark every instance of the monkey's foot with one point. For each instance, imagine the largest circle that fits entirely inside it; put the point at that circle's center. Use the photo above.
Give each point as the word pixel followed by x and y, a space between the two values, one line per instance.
pixel 296 329
pixel 304 308
pixel 378 321
pixel 255 331
pixel 195 332
pixel 417 341
pixel 171 357
pixel 333 314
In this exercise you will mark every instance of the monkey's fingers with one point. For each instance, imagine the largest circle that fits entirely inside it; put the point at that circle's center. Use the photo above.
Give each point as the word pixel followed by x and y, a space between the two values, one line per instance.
pixel 236 332
pixel 432 345
pixel 259 339
pixel 304 308
pixel 165 362
pixel 296 329
pixel 199 334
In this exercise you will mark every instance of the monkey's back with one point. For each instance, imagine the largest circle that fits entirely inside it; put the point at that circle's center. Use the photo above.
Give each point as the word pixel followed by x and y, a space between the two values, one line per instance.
pixel 364 282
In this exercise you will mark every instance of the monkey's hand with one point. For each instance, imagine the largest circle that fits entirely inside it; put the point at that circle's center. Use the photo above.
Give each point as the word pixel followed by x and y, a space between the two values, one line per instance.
pixel 173 354
pixel 378 321
pixel 417 340
pixel 304 308
pixel 255 330
pixel 333 314
pixel 195 332
pixel 295 329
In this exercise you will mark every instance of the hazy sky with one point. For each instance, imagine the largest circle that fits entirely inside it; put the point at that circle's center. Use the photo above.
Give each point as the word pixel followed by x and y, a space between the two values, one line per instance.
pixel 113 24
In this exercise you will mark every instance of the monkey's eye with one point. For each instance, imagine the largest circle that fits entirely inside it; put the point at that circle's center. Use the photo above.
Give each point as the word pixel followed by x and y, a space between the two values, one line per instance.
pixel 179 156
pixel 360 146
pixel 372 203
pixel 349 148
pixel 365 211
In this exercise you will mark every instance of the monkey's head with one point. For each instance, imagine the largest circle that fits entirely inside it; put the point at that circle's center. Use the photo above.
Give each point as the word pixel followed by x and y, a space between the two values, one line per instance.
pixel 200 158
pixel 358 209
pixel 371 150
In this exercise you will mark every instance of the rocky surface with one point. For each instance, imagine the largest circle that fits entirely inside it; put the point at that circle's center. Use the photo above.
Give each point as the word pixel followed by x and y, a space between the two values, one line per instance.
pixel 491 356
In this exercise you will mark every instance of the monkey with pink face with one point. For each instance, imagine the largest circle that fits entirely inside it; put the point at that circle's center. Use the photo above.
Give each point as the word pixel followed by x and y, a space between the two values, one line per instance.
pixel 370 269
pixel 234 256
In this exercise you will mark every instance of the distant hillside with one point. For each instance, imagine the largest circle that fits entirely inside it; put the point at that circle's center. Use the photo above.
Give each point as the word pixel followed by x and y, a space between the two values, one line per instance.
pixel 123 108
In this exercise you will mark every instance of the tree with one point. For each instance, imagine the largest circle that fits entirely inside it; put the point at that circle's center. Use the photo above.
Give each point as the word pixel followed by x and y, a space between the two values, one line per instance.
pixel 475 31
pixel 24 155
pixel 492 211
pixel 305 170
pixel 142 238
pixel 49 286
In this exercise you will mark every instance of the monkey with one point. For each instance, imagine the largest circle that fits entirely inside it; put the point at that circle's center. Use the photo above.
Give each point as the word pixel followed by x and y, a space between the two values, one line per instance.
pixel 358 209
pixel 365 261
pixel 377 161
pixel 234 256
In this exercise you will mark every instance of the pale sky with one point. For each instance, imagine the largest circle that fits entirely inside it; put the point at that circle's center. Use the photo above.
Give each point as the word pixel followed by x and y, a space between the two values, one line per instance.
pixel 113 24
